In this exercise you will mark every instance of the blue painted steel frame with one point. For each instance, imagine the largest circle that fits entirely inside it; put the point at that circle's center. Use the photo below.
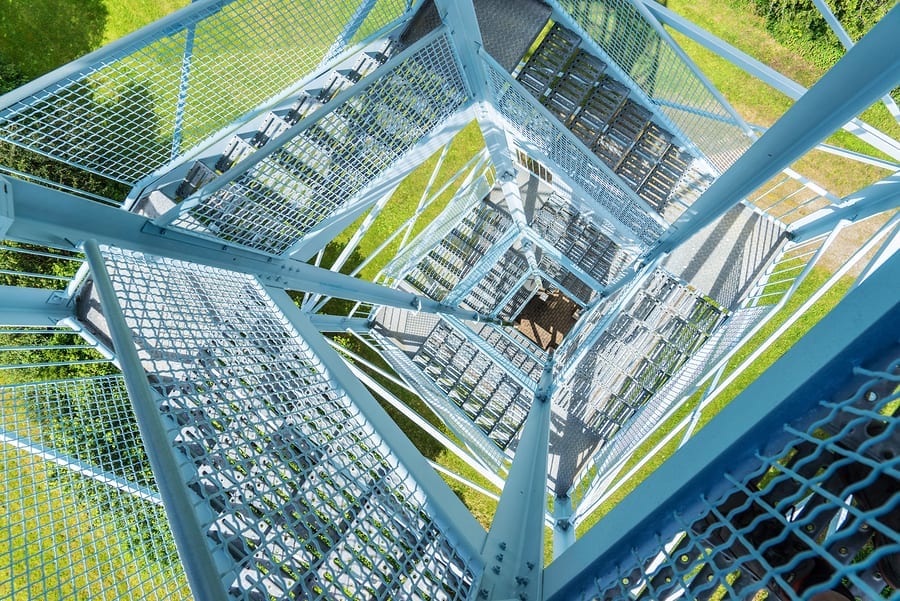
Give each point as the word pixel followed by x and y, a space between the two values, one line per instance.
pixel 54 218
pixel 864 327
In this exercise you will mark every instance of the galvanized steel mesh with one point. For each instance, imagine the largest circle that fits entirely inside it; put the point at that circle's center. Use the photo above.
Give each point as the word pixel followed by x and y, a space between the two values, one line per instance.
pixel 296 495
pixel 525 117
pixel 636 46
pixel 80 516
pixel 124 113
pixel 815 512
pixel 278 200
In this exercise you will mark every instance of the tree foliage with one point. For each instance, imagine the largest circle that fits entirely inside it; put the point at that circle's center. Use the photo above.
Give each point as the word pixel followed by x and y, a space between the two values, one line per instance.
pixel 798 24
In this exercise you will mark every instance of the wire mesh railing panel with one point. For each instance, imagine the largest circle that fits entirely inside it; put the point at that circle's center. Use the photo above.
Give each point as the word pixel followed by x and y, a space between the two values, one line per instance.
pixel 297 496
pixel 485 392
pixel 80 516
pixel 637 47
pixel 150 99
pixel 462 203
pixel 812 516
pixel 453 257
pixel 550 137
pixel 282 197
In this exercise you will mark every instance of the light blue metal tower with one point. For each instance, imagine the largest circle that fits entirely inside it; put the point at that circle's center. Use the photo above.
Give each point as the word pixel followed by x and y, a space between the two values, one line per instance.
pixel 573 302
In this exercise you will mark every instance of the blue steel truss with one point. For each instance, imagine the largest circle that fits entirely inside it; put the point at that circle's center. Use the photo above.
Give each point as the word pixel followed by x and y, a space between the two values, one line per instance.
pixel 190 409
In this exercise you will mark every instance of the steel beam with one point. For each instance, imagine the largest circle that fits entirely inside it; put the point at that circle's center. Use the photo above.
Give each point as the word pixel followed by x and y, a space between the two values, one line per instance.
pixel 339 323
pixel 881 196
pixel 449 511
pixel 864 74
pixel 54 218
pixel 199 567
pixel 513 550
pixel 863 327
pixel 21 306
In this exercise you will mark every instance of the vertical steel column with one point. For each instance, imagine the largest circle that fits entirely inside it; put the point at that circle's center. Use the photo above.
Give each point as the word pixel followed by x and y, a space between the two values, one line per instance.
pixel 513 551
pixel 864 74
pixel 199 567
pixel 462 23
pixel 563 528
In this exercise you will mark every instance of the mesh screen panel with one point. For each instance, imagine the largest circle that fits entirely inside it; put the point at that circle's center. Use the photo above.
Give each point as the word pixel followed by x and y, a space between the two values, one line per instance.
pixel 80 516
pixel 126 114
pixel 815 512
pixel 642 53
pixel 295 493
pixel 281 198
pixel 552 139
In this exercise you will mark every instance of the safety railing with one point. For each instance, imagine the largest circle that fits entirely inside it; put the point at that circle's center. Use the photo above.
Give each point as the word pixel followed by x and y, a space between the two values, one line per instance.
pixel 151 97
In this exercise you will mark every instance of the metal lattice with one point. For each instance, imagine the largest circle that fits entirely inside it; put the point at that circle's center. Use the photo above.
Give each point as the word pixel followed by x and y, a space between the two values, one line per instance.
pixel 637 47
pixel 553 140
pixel 282 197
pixel 75 471
pixel 295 493
pixel 152 98
pixel 817 513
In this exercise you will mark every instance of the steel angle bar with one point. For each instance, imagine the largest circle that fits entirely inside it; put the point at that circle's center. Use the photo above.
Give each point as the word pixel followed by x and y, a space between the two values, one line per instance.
pixel 199 566
pixel 451 513
pixel 79 467
pixel 887 250
pixel 339 323
pixel 52 217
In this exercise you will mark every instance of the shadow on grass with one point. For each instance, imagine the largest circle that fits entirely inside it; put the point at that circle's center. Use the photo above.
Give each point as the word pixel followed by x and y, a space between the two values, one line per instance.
pixel 39 35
